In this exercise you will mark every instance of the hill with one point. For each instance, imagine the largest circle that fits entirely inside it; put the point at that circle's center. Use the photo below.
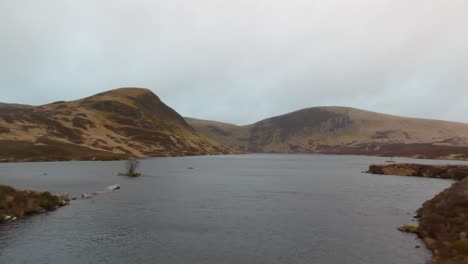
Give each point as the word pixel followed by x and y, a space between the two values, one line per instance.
pixel 343 130
pixel 111 125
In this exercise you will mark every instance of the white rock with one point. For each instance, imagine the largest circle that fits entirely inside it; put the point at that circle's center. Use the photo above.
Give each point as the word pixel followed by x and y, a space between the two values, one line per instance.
pixel 113 187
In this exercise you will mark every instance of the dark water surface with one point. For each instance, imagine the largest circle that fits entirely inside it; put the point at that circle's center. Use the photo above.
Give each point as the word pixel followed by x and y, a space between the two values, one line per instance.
pixel 228 209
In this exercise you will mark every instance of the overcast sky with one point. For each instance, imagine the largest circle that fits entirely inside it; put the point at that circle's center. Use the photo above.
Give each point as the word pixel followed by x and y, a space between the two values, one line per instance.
pixel 242 60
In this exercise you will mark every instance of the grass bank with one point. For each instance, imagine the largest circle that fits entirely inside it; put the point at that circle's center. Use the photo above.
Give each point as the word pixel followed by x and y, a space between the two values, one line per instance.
pixel 19 203
pixel 443 220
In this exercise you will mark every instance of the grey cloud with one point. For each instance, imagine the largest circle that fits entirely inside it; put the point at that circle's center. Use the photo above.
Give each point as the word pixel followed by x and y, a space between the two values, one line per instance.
pixel 240 61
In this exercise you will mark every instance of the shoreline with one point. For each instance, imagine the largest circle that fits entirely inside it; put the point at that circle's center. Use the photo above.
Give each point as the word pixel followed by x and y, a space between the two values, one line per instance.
pixel 45 159
pixel 16 204
pixel 223 154
pixel 449 172
pixel 441 227
pixel 443 220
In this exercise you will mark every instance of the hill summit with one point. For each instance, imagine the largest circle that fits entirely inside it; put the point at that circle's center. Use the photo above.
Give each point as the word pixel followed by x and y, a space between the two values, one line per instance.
pixel 343 130
pixel 111 125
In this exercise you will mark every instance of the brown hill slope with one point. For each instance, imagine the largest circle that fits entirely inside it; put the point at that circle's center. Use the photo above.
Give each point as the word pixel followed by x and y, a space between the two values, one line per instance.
pixel 343 130
pixel 4 106
pixel 110 125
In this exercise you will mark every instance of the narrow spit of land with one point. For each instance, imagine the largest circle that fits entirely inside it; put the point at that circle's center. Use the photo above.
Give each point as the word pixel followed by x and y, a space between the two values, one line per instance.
pixel 15 203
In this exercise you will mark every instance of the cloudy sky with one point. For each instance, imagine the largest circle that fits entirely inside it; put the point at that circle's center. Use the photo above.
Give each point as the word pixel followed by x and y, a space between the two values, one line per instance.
pixel 243 60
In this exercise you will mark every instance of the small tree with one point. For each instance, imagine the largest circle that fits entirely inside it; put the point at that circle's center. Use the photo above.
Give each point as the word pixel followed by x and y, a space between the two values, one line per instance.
pixel 132 166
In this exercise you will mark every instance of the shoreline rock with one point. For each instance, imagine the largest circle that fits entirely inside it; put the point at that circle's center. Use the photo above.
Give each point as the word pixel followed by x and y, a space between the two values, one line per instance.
pixel 113 187
pixel 108 189
pixel 15 204
pixel 453 172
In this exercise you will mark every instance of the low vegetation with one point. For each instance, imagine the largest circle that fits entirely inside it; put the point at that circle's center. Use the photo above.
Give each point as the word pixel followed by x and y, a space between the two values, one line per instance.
pixel 443 224
pixel 409 229
pixel 342 130
pixel 118 124
pixel 443 220
pixel 454 172
pixel 52 150
pixel 18 203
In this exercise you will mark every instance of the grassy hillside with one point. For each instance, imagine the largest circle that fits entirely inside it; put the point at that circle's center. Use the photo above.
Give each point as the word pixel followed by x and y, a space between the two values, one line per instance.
pixel 14 106
pixel 342 130
pixel 111 125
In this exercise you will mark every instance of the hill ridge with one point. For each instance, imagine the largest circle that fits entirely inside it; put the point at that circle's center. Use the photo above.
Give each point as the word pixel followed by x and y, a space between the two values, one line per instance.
pixel 343 130
pixel 114 124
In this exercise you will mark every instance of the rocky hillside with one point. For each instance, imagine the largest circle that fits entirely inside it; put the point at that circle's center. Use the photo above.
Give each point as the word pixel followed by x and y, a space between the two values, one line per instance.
pixel 111 125
pixel 342 130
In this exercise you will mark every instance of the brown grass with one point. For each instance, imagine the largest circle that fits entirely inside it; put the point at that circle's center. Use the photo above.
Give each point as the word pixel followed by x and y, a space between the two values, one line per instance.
pixel 454 172
pixel 51 150
pixel 343 130
pixel 19 203
pixel 83 123
pixel 442 221
pixel 129 120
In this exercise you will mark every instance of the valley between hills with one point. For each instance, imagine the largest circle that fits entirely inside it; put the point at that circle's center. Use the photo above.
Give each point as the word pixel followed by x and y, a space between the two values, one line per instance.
pixel 134 122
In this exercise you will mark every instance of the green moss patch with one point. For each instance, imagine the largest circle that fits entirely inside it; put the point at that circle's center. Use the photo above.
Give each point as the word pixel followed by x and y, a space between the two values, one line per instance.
pixel 409 229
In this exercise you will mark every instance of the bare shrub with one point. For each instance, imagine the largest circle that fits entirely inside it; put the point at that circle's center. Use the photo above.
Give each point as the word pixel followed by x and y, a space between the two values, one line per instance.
pixel 132 166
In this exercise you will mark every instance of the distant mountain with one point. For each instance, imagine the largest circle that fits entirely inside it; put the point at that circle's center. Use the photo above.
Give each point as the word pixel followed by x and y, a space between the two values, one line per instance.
pixel 111 125
pixel 343 130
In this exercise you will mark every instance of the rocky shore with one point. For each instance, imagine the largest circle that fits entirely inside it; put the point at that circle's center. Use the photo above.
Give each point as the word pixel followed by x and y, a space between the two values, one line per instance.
pixel 454 172
pixel 443 224
pixel 15 203
pixel 443 220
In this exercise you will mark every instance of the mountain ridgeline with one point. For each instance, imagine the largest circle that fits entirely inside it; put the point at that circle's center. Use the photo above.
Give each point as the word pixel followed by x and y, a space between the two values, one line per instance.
pixel 134 122
pixel 112 125
pixel 343 130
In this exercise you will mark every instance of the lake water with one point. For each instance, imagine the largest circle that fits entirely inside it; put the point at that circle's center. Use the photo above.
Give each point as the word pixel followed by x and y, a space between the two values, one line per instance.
pixel 227 209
